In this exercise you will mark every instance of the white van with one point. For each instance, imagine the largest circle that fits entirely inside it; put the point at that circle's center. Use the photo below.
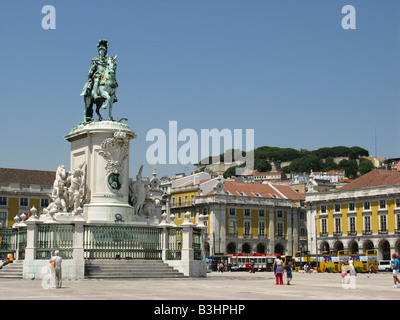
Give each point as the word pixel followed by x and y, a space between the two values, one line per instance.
pixel 384 265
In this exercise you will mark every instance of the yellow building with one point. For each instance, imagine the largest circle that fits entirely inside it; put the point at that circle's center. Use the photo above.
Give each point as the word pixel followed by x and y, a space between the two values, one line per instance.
pixel 20 190
pixel 364 214
pixel 252 218
pixel 183 194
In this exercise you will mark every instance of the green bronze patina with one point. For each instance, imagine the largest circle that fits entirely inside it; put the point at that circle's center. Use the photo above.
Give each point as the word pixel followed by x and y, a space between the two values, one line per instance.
pixel 101 86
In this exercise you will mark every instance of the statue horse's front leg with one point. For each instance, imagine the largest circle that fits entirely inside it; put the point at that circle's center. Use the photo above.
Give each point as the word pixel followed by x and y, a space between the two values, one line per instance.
pixel 110 105
pixel 99 104
pixel 88 116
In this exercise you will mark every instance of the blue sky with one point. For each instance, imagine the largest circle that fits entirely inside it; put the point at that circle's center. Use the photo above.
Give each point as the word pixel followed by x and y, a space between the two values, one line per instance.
pixel 286 69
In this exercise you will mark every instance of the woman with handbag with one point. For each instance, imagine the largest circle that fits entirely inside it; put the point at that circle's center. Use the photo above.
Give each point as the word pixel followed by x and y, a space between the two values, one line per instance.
pixel 278 269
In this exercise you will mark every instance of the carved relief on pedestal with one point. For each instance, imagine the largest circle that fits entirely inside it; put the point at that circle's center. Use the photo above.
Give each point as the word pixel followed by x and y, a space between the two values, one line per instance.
pixel 115 150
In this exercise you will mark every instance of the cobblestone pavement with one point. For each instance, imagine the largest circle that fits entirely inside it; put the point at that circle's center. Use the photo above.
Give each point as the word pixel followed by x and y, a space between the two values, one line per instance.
pixel 216 286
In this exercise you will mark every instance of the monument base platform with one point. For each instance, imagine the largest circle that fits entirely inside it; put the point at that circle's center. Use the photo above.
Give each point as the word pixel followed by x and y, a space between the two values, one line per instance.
pixel 112 213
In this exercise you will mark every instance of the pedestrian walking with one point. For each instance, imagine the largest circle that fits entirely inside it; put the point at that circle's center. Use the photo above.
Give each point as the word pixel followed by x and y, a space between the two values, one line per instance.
pixel 55 265
pixel 395 267
pixel 343 270
pixel 288 269
pixel 352 268
pixel 252 267
pixel 278 269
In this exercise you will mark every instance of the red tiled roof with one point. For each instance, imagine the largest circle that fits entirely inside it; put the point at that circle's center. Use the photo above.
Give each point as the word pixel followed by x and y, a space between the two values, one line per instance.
pixel 263 190
pixel 27 176
pixel 377 177
pixel 290 193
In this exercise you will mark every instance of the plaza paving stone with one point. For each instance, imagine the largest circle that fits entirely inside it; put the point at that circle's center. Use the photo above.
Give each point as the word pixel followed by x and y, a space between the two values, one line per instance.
pixel 216 286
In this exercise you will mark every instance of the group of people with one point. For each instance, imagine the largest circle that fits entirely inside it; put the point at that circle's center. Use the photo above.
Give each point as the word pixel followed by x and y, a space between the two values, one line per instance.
pixel 222 267
pixel 55 266
pixel 347 268
pixel 279 269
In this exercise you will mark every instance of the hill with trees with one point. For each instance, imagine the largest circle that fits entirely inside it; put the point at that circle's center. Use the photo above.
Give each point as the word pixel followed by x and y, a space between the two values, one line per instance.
pixel 349 159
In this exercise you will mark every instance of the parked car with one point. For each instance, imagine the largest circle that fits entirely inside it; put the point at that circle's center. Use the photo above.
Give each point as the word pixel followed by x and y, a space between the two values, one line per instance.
pixel 234 267
pixel 384 265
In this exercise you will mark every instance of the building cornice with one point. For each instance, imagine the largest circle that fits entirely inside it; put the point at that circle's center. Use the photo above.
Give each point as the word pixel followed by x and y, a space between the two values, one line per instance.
pixel 229 200
pixel 353 194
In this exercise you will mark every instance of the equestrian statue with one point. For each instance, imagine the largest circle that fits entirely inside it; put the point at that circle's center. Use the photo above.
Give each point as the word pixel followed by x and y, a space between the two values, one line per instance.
pixel 101 86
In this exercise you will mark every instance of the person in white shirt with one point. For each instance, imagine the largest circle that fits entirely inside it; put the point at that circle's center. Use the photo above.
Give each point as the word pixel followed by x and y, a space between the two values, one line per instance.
pixel 57 268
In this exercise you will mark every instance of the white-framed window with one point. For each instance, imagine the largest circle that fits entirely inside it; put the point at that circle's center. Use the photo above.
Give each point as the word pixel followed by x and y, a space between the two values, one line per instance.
pixel 279 214
pixel 367 205
pixel 192 199
pixel 382 204
pixel 323 208
pixel 398 222
pixel 279 230
pixel 338 225
pixel 352 206
pixel 324 226
pixel 186 201
pixel 179 201
pixel 261 213
pixel 232 228
pixel 247 228
pixel 397 203
pixel 383 222
pixel 3 201
pixel 44 203
pixel 337 207
pixel 261 229
pixel 173 202
pixel 232 211
pixel 3 219
pixel 367 224
pixel 23 202
pixel 247 212
pixel 352 223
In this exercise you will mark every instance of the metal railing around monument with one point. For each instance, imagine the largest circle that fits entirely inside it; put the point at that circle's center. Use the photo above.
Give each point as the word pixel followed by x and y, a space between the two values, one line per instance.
pixel 52 237
pixel 13 240
pixel 122 242
pixel 174 244
pixel 197 244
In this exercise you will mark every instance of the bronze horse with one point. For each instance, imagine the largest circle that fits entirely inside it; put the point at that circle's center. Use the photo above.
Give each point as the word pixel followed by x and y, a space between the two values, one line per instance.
pixel 107 88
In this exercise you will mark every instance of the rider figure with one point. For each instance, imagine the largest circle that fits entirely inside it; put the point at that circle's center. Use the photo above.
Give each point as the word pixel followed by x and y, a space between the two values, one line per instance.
pixel 97 70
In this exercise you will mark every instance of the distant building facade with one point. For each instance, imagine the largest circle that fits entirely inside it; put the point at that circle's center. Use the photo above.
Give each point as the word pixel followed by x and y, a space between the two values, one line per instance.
pixel 364 214
pixel 20 190
pixel 253 218
pixel 261 177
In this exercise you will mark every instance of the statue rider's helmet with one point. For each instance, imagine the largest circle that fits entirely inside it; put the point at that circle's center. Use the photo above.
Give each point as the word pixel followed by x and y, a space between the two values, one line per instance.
pixel 103 44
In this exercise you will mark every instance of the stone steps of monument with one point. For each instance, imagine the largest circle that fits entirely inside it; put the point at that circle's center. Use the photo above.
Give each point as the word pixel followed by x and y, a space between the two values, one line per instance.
pixel 114 269
pixel 12 270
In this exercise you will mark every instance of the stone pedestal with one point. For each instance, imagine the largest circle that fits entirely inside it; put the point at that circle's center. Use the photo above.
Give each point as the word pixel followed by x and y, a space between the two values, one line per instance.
pixel 103 147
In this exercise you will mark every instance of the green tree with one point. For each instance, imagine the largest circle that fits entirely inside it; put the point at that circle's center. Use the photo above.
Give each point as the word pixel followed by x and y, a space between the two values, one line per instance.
pixel 329 164
pixel 350 167
pixel 262 165
pixel 306 163
pixel 365 166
